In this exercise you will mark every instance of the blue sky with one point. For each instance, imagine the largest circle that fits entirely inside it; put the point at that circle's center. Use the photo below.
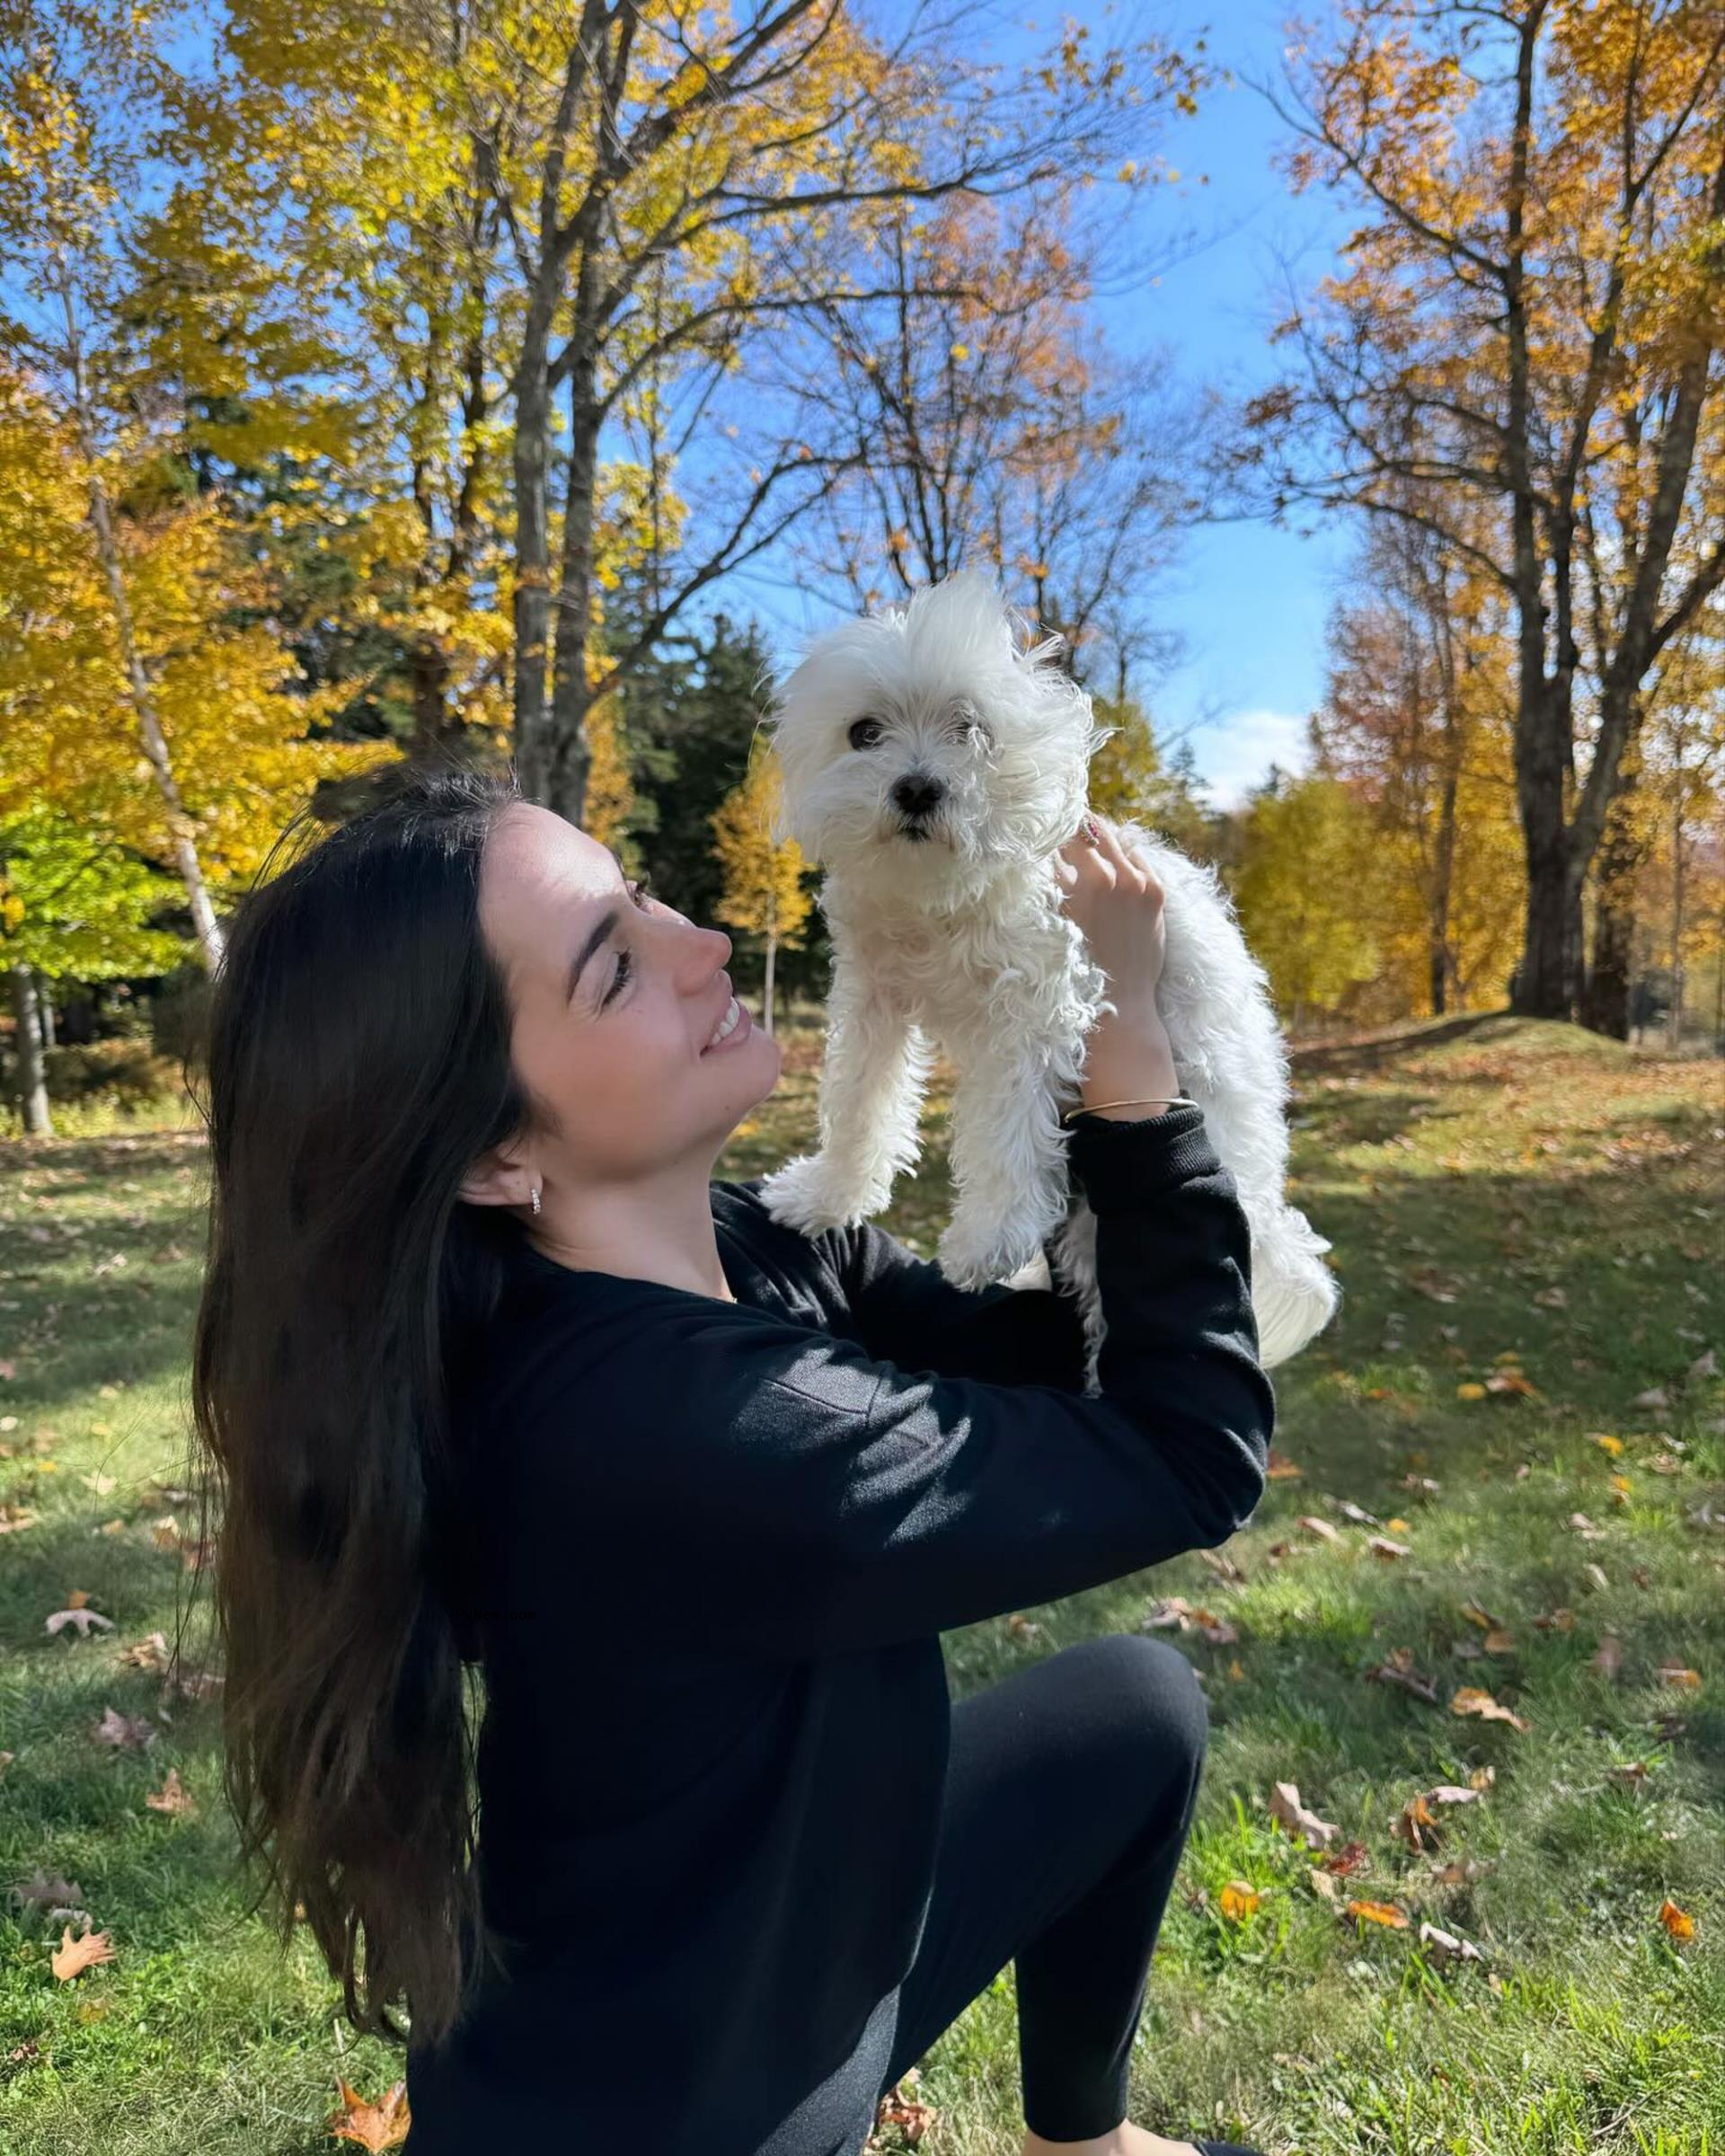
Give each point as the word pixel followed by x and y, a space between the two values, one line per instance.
pixel 1248 604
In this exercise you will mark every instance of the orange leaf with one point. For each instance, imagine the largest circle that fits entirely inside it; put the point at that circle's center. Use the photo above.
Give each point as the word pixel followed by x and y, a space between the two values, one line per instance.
pixel 380 2125
pixel 1379 1913
pixel 1684 1679
pixel 1237 1900
pixel 73 1956
pixel 1282 1468
pixel 1676 1922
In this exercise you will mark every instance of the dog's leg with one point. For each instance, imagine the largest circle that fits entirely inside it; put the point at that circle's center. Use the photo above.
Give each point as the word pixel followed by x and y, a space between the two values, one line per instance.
pixel 1008 1164
pixel 871 1095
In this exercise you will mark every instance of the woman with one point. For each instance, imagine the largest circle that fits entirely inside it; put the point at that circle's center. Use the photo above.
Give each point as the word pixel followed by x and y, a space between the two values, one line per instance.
pixel 489 1370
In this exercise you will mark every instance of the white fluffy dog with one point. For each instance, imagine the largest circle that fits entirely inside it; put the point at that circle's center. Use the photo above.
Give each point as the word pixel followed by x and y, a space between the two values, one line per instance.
pixel 932 763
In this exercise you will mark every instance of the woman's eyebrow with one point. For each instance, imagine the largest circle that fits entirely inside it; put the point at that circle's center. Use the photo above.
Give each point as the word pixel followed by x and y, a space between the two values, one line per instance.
pixel 601 928
pixel 595 937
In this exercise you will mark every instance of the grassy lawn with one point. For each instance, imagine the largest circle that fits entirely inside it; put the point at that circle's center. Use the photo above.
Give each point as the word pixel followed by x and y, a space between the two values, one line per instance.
pixel 1529 1227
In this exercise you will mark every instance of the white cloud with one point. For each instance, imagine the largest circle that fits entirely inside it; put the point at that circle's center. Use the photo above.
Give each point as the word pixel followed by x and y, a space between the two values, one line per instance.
pixel 1235 755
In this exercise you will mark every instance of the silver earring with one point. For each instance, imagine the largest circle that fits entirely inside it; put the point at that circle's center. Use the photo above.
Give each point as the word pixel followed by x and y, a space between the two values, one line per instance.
pixel 535 1201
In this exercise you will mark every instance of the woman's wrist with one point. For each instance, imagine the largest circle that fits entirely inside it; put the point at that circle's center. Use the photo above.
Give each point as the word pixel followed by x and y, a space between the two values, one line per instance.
pixel 1129 1059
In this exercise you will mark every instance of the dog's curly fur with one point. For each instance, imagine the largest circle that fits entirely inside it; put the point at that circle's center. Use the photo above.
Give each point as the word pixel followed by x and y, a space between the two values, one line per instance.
pixel 933 759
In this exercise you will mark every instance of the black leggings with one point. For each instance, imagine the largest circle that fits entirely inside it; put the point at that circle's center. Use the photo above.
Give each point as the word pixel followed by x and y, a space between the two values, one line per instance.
pixel 1070 1792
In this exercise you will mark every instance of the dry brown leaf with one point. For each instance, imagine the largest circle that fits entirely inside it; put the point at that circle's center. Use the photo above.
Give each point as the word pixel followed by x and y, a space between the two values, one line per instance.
pixel 1555 1621
pixel 1630 1777
pixel 1682 1679
pixel 1293 1816
pixel 1448 1947
pixel 1483 1618
pixel 1471 1699
pixel 1483 1778
pixel 1397 1668
pixel 1382 1546
pixel 1418 1824
pixel 1223 1565
pixel 73 1956
pixel 1500 1643
pixel 1281 1469
pixel 380 2125
pixel 1237 1900
pixel 1324 1884
pixel 173 1796
pixel 128 1731
pixel 1460 1871
pixel 1511 1381
pixel 913 2119
pixel 1320 1528
pixel 151 1653
pixel 1353 1856
pixel 1357 1514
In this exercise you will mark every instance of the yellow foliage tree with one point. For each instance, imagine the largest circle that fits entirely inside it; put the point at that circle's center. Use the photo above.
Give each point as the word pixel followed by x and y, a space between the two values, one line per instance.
pixel 762 891
pixel 1310 870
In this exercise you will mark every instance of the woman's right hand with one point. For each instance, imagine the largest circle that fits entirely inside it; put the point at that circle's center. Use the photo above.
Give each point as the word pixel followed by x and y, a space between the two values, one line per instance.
pixel 1115 898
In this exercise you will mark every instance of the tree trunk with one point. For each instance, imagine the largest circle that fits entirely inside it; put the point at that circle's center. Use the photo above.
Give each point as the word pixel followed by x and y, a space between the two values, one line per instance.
pixel 570 757
pixel 182 834
pixel 45 997
pixel 532 609
pixel 1674 1021
pixel 32 1071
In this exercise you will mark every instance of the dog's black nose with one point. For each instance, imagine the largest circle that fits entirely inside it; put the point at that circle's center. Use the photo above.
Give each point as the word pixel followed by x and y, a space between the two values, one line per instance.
pixel 916 795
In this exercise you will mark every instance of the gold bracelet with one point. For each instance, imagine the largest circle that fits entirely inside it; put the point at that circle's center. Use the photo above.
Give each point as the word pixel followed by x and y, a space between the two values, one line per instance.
pixel 1086 1108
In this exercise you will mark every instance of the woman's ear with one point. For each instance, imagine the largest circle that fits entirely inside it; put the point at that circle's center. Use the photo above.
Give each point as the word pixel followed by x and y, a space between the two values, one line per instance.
pixel 499 1178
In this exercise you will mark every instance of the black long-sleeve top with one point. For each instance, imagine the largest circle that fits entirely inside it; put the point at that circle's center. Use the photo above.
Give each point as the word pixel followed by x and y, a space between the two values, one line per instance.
pixel 710 1549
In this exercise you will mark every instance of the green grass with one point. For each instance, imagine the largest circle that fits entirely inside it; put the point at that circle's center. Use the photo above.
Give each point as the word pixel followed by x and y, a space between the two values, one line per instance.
pixel 1493 1188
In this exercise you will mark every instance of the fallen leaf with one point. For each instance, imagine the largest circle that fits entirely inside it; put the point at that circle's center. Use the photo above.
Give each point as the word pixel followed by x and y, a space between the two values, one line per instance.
pixel 1382 1546
pixel 1417 1822
pixel 73 1956
pixel 1470 1392
pixel 1469 1700
pixel 1594 1575
pixel 1676 1922
pixel 1607 1441
pixel 1483 1778
pixel 1675 1674
pixel 1223 1565
pixel 1398 1669
pixel 1422 1484
pixel 1448 1947
pixel 1353 1857
pixel 129 1732
pixel 1324 1883
pixel 1555 1621
pixel 1585 1527
pixel 1320 1528
pixel 1357 1514
pixel 100 1484
pixel 1293 1816
pixel 1511 1381
pixel 1630 1777
pixel 83 1618
pixel 1656 1396
pixel 43 1890
pixel 1237 1900
pixel 1474 1614
pixel 1281 1469
pixel 173 1796
pixel 913 2119
pixel 1500 1642
pixel 1460 1871
pixel 1397 1526
pixel 380 2125
pixel 1379 1913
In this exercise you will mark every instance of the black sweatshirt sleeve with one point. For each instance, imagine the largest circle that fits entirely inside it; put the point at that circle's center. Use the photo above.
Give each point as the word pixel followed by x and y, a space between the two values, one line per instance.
pixel 743 1483
pixel 907 1312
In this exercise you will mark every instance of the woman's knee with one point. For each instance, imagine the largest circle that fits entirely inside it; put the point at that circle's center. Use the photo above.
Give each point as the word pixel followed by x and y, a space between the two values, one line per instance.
pixel 1148 1689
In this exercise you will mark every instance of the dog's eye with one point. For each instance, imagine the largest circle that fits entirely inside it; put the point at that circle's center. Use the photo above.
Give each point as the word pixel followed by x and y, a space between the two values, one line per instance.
pixel 865 733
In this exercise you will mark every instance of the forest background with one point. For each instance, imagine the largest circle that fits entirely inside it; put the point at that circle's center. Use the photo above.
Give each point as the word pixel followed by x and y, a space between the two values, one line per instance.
pixel 435 380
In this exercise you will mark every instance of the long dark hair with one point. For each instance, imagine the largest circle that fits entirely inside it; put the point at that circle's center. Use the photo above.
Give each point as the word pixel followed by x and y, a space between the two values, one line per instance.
pixel 358 1061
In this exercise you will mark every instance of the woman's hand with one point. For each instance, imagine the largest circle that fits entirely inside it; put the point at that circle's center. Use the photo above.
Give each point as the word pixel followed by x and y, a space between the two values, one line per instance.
pixel 1117 901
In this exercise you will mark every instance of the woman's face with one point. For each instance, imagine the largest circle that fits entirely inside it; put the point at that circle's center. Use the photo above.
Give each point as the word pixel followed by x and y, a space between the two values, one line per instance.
pixel 616 997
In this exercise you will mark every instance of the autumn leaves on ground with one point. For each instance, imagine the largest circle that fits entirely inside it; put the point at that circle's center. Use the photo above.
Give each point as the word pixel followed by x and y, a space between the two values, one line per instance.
pixel 1454 1884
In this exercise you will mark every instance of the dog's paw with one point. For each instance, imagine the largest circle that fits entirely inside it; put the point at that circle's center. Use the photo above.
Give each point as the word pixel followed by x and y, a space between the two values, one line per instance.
pixel 977 1253
pixel 807 1195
